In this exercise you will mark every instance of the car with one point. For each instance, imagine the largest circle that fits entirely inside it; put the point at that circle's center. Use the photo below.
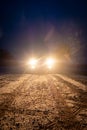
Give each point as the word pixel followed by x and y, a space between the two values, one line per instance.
pixel 41 64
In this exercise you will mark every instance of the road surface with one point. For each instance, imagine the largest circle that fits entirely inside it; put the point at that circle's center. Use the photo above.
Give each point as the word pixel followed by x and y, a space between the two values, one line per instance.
pixel 42 102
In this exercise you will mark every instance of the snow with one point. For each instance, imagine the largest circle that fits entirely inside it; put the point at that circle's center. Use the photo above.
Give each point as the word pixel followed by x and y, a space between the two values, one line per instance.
pixel 40 102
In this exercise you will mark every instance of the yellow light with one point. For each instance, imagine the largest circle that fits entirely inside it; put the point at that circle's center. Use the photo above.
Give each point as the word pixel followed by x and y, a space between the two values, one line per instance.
pixel 50 62
pixel 32 62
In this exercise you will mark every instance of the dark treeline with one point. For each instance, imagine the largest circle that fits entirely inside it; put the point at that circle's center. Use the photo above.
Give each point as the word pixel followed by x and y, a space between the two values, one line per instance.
pixel 6 58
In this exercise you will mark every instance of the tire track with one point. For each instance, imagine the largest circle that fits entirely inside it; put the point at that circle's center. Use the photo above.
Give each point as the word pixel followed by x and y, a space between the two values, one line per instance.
pixel 75 83
pixel 40 112
pixel 73 115
pixel 9 97
pixel 40 103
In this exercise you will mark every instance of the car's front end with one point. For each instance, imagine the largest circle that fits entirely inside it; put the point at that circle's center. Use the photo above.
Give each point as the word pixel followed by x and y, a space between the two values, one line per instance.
pixel 41 65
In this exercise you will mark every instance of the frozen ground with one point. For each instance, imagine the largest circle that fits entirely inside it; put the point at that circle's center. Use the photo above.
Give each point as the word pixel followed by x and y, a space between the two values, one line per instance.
pixel 80 78
pixel 42 102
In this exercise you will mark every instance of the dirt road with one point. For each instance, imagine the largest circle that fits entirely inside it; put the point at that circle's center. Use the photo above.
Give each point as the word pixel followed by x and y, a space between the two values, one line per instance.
pixel 42 102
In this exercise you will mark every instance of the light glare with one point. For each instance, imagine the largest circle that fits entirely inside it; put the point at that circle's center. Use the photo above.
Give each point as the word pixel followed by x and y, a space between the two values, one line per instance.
pixel 50 61
pixel 32 62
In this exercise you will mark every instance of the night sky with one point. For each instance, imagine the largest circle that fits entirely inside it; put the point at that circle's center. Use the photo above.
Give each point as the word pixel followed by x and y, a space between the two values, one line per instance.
pixel 41 26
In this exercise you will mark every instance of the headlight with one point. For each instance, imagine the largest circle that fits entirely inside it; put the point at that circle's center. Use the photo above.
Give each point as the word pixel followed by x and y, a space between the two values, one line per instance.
pixel 32 62
pixel 50 62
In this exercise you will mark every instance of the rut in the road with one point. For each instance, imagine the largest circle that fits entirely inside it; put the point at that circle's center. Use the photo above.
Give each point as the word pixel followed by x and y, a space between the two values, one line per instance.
pixel 75 116
pixel 31 103
pixel 40 103
pixel 8 98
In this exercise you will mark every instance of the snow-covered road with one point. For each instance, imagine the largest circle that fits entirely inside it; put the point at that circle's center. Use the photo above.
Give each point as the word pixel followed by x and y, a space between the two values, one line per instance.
pixel 42 102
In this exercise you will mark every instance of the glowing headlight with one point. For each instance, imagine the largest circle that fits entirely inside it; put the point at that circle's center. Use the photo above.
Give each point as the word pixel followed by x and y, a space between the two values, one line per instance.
pixel 50 62
pixel 32 62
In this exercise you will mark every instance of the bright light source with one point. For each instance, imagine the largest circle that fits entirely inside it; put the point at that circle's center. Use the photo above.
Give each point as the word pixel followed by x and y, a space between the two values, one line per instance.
pixel 32 62
pixel 50 61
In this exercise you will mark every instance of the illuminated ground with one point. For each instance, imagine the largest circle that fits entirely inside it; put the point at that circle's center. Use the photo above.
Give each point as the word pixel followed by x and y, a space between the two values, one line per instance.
pixel 43 102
